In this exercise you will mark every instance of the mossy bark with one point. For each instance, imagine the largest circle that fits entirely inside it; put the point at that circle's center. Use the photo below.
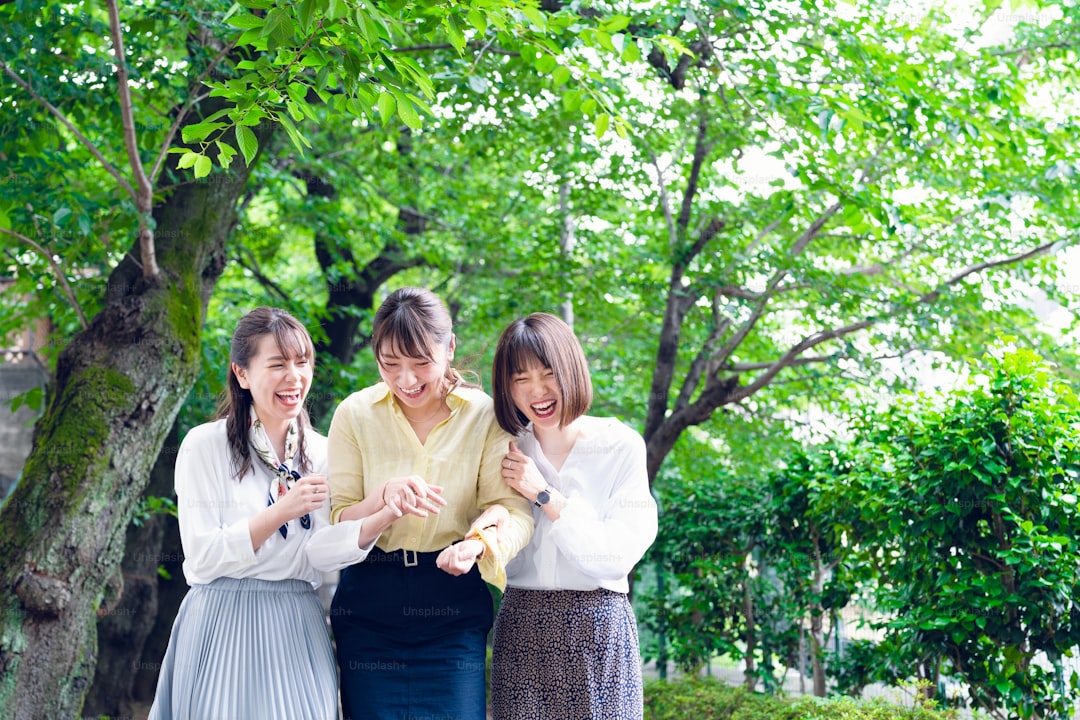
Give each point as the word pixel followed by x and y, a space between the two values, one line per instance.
pixel 119 385
pixel 126 618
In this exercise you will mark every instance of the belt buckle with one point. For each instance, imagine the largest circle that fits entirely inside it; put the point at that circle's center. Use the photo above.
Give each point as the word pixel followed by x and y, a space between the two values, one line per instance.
pixel 410 562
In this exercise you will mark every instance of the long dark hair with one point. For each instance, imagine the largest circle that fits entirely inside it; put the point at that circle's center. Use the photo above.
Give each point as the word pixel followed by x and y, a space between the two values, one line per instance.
pixel 293 340
pixel 414 321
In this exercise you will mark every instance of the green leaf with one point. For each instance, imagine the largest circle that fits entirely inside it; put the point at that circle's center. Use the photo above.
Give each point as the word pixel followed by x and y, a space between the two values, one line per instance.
pixel 631 53
pixel 560 75
pixel 454 32
pixel 249 144
pixel 546 63
pixel 246 21
pixel 226 153
pixel 615 23
pixel 604 40
pixel 203 166
pixel 198 132
pixel 336 9
pixel 477 20
pixel 406 112
pixel 535 17
pixel 298 140
pixel 602 122
pixel 306 14
pixel 187 159
pixel 279 26
pixel 386 107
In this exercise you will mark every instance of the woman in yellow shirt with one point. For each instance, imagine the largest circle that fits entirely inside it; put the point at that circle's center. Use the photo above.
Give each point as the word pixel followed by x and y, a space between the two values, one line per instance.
pixel 417 457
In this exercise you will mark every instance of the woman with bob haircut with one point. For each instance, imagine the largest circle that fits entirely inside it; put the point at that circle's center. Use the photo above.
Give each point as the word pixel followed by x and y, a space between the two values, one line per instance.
pixel 566 643
pixel 250 638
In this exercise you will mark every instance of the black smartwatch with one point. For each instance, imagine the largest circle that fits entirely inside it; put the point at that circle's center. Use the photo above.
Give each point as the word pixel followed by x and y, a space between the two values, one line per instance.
pixel 543 497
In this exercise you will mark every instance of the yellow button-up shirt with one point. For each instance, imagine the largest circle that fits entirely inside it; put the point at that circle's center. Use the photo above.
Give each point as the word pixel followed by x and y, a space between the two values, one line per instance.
pixel 371 441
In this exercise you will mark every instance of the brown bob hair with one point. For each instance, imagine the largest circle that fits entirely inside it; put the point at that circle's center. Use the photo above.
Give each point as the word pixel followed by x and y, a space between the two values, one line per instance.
pixel 545 340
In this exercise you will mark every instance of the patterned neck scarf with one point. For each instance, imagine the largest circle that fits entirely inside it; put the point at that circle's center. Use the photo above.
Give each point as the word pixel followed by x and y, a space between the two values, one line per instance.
pixel 284 477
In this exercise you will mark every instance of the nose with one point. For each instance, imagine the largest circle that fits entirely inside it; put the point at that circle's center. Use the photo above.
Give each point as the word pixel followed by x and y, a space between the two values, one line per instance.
pixel 535 388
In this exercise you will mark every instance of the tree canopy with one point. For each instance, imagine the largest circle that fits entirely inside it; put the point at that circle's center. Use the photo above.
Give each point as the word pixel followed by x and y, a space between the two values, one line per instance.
pixel 742 207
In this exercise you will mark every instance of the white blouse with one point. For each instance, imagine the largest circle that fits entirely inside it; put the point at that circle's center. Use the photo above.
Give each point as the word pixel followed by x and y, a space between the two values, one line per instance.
pixel 214 509
pixel 609 520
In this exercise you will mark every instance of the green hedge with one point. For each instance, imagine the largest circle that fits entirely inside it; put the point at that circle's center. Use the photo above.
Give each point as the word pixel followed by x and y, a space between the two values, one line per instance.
pixel 708 699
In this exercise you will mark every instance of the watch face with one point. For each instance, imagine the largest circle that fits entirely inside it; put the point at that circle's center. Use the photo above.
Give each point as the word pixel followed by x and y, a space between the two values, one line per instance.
pixel 542 497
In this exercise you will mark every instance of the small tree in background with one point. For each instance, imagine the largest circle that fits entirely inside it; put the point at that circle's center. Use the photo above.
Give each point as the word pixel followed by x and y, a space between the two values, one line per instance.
pixel 970 509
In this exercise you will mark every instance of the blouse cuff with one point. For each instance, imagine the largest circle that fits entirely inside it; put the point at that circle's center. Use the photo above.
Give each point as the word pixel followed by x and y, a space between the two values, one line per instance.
pixel 334 547
pixel 492 564
pixel 237 539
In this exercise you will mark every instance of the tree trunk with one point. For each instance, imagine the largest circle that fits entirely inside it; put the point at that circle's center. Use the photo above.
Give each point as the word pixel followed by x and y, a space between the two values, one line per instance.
pixel 119 385
pixel 124 626
pixel 749 673
pixel 817 652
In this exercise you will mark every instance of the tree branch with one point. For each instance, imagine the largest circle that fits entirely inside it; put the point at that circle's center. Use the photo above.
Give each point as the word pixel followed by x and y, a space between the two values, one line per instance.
pixel 747 367
pixel 701 152
pixel 144 197
pixel 1047 46
pixel 57 270
pixel 258 274
pixel 815 227
pixel 927 298
pixel 120 179
pixel 700 364
pixel 934 294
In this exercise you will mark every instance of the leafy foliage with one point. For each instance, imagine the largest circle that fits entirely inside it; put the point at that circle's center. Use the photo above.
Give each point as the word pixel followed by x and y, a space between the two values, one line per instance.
pixel 971 511
pixel 953 517
pixel 693 698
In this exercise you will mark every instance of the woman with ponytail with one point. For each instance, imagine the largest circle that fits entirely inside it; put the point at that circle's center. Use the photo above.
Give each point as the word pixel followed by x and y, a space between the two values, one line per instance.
pixel 250 639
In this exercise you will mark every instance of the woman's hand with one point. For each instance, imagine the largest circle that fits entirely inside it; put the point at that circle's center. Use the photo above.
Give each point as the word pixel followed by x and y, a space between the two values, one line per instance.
pixel 459 558
pixel 496 515
pixel 521 474
pixel 412 495
pixel 307 494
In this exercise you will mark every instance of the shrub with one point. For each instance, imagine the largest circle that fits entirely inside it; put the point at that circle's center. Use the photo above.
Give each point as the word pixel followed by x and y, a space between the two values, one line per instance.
pixel 708 699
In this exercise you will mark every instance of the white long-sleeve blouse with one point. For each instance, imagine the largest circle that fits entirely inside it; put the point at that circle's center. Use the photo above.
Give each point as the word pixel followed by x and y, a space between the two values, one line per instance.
pixel 214 509
pixel 608 522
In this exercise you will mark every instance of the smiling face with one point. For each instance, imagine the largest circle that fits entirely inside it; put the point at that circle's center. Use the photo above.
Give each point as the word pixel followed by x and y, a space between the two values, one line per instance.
pixel 278 381
pixel 536 394
pixel 417 382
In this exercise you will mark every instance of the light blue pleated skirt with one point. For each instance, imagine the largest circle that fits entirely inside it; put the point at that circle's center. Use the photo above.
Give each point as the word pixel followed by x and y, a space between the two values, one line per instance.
pixel 245 648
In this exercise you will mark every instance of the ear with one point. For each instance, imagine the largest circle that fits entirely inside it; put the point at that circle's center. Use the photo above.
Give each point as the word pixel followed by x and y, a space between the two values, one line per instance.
pixel 241 376
pixel 453 346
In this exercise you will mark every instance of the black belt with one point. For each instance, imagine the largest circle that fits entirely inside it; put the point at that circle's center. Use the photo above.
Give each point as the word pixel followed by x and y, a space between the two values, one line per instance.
pixel 407 558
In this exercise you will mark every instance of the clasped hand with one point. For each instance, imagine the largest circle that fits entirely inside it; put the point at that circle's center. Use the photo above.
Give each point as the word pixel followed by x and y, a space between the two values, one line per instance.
pixel 412 495
pixel 521 474
pixel 307 494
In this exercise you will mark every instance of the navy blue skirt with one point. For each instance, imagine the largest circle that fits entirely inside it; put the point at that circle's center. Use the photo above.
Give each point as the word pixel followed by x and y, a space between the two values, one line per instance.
pixel 411 639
